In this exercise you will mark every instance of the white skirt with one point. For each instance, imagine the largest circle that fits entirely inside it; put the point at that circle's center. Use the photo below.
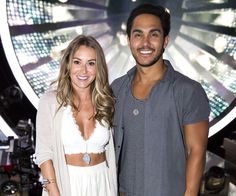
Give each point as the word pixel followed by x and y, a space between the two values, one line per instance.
pixel 89 181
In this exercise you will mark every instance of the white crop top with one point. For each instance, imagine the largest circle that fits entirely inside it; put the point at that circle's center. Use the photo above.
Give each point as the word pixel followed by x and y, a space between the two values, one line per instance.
pixel 73 141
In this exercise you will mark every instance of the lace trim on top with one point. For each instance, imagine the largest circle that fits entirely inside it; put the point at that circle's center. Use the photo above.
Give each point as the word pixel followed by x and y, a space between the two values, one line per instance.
pixel 73 140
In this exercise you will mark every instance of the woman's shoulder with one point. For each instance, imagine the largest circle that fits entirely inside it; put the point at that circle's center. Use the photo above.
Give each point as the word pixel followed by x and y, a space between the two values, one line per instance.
pixel 49 96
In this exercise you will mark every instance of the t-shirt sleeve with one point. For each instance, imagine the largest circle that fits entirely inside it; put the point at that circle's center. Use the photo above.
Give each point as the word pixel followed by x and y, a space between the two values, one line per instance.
pixel 195 104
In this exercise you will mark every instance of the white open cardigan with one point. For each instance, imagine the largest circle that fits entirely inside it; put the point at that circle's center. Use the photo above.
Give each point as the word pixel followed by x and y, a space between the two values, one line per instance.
pixel 49 145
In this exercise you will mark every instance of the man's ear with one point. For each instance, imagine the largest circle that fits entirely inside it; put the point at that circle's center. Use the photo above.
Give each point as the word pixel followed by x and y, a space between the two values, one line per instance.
pixel 166 41
pixel 128 40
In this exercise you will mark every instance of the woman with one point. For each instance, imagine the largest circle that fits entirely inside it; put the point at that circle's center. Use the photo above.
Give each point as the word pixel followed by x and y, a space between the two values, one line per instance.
pixel 74 145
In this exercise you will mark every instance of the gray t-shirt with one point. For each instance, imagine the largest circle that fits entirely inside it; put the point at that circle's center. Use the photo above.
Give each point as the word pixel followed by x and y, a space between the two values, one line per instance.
pixel 173 102
pixel 132 156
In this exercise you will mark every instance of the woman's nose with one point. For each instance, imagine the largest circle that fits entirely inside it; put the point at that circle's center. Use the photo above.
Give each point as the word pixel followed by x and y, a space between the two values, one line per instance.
pixel 83 68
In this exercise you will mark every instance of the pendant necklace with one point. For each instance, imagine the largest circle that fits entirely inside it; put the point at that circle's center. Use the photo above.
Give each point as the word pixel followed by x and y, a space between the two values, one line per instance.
pixel 86 157
pixel 135 112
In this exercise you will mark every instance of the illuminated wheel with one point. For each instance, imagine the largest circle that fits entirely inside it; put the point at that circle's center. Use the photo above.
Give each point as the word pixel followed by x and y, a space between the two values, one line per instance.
pixel 202 46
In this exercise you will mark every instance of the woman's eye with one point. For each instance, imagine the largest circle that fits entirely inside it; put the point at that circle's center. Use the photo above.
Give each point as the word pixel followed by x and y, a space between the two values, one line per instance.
pixel 91 63
pixel 76 62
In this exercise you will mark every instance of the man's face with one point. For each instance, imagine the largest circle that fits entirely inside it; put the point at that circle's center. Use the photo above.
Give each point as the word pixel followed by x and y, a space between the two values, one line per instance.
pixel 147 40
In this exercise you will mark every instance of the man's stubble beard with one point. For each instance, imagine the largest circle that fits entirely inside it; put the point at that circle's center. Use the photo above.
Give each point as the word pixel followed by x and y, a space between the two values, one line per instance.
pixel 153 61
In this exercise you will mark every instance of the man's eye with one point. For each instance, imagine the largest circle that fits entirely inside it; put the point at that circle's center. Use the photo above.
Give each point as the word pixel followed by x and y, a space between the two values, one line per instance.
pixel 137 35
pixel 155 35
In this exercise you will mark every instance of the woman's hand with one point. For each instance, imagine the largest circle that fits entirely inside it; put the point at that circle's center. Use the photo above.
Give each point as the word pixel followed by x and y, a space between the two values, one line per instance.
pixel 53 189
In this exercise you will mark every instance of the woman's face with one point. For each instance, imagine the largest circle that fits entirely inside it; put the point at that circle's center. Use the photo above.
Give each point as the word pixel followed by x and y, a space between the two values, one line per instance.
pixel 83 68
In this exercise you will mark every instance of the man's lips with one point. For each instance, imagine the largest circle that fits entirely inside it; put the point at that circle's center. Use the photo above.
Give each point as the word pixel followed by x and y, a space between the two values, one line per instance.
pixel 145 51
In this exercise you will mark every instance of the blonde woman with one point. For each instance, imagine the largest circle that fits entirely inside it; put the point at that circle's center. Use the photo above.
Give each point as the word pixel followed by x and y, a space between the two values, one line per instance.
pixel 74 144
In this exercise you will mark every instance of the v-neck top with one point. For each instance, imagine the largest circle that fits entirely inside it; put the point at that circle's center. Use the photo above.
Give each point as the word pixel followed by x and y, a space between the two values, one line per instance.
pixel 73 140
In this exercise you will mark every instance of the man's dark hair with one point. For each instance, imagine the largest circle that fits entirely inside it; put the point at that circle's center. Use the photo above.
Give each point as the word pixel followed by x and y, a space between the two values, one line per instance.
pixel 155 10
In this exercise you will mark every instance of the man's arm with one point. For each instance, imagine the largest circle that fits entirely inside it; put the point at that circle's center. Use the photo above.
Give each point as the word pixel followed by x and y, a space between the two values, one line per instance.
pixel 196 137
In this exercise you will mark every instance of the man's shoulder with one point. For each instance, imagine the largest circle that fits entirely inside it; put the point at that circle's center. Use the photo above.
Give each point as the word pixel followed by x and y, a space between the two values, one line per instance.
pixel 118 82
pixel 185 88
pixel 178 79
pixel 183 81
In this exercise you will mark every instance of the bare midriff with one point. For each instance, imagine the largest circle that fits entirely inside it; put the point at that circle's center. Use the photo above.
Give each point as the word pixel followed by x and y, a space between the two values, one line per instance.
pixel 77 159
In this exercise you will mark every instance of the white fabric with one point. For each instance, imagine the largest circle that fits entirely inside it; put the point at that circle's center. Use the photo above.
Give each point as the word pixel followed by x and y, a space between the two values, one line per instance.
pixel 73 140
pixel 89 181
pixel 49 145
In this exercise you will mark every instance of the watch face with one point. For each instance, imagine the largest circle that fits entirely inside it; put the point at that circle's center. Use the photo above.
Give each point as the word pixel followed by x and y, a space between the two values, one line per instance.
pixel 202 44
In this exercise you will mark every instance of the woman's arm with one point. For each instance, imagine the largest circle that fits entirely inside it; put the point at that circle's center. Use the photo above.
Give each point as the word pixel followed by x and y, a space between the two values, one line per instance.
pixel 48 173
pixel 44 142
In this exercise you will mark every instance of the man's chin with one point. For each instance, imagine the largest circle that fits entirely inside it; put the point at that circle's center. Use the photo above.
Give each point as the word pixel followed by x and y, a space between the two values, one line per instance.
pixel 149 63
pixel 146 64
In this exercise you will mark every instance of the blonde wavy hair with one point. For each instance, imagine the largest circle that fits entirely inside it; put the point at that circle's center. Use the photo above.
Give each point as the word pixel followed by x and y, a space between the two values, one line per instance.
pixel 101 93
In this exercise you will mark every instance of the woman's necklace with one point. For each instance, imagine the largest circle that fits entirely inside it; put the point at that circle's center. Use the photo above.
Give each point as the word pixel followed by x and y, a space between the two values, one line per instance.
pixel 86 157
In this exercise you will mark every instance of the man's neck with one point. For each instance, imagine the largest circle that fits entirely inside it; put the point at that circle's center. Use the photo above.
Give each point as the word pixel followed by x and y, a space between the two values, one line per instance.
pixel 150 74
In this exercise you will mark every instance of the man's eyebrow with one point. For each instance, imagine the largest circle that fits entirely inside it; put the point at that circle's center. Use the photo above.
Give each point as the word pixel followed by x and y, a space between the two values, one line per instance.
pixel 140 31
pixel 136 31
pixel 153 30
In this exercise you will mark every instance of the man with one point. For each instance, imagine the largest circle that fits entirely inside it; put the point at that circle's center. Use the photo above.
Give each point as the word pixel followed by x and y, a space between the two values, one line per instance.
pixel 161 118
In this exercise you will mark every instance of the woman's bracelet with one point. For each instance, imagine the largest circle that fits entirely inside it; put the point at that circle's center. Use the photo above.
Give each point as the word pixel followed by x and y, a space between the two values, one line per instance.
pixel 46 182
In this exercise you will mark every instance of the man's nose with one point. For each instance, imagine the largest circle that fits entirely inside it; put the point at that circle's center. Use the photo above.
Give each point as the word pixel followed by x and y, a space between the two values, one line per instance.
pixel 146 40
